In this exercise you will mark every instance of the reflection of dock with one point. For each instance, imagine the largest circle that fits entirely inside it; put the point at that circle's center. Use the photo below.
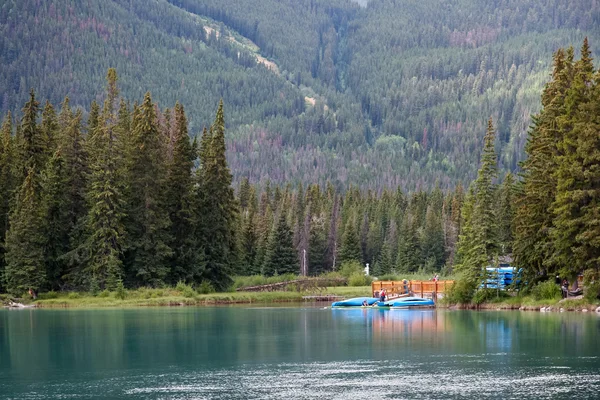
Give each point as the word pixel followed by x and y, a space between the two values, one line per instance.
pixel 423 289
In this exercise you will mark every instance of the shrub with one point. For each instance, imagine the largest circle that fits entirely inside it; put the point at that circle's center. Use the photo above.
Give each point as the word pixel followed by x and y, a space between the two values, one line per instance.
pixel 120 291
pixel 48 295
pixel 205 288
pixel 185 290
pixel 462 291
pixel 349 268
pixel 488 295
pixel 591 283
pixel 73 295
pixel 359 280
pixel 547 290
pixel 104 293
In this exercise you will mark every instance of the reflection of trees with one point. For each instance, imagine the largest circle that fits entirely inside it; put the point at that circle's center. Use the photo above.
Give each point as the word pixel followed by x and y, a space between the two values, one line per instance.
pixel 46 344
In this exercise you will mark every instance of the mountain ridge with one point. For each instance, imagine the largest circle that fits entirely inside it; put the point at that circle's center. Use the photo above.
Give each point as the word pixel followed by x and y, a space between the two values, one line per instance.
pixel 394 93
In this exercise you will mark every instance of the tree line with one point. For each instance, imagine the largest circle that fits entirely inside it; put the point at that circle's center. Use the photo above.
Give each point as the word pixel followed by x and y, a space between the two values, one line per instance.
pixel 123 199
pixel 556 199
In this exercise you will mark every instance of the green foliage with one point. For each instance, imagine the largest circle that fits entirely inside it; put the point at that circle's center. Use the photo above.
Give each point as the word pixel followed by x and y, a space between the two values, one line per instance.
pixel 120 291
pixel 359 279
pixel 185 290
pixel 462 291
pixel 488 295
pixel 350 268
pixel 547 290
pixel 591 285
pixel 280 255
pixel 205 287
pixel 48 295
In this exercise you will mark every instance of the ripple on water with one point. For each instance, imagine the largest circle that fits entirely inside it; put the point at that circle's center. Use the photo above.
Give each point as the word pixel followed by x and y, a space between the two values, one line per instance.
pixel 363 379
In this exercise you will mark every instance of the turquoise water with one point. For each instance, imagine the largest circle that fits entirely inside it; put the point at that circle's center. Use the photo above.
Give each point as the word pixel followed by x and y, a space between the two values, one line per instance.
pixel 297 353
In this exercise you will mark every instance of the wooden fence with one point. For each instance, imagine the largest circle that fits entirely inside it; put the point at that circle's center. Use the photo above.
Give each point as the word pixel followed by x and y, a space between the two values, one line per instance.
pixel 408 288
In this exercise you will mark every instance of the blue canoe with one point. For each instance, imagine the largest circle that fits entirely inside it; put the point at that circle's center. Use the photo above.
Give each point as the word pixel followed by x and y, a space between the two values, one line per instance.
pixel 355 302
pixel 407 302
pixel 404 302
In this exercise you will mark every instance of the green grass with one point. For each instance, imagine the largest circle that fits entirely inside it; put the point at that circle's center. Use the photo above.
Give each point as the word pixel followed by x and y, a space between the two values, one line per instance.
pixel 146 297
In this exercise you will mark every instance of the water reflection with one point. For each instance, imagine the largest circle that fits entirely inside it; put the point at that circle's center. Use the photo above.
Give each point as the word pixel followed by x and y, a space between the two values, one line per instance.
pixel 44 351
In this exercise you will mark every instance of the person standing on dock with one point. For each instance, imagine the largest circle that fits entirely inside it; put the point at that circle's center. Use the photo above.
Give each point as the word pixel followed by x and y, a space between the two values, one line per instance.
pixel 382 295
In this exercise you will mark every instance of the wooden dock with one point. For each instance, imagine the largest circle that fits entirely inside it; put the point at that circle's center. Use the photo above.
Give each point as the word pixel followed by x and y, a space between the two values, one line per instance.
pixel 423 289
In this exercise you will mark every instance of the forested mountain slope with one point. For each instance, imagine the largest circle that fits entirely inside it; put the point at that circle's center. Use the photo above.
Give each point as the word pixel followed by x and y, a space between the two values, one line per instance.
pixel 391 93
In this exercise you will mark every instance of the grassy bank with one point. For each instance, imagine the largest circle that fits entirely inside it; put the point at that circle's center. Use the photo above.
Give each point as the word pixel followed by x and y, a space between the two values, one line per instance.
pixel 529 303
pixel 145 297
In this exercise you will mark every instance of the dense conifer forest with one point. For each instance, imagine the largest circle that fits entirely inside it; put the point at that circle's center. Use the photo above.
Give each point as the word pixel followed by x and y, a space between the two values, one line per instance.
pixel 379 94
pixel 385 132
pixel 127 199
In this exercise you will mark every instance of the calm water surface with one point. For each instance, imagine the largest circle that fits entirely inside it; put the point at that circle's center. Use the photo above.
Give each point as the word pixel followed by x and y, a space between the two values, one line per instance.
pixel 297 353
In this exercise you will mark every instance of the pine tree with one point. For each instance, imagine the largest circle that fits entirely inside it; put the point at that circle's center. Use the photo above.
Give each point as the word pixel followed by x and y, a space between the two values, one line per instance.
pixel 6 186
pixel 533 246
pixel 30 143
pixel 281 258
pixel 408 258
pixel 574 189
pixel 148 230
pixel 478 244
pixel 55 206
pixel 25 241
pixel 506 214
pixel 186 262
pixel 219 208
pixel 104 222
pixel 49 131
pixel 317 246
pixel 350 250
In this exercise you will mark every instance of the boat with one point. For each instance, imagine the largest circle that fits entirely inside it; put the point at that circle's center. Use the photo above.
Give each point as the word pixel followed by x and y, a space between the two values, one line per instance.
pixel 355 302
pixel 408 302
pixel 403 302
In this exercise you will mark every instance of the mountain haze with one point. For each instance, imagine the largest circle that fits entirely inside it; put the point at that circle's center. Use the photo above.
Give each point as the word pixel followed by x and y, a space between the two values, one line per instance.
pixel 376 94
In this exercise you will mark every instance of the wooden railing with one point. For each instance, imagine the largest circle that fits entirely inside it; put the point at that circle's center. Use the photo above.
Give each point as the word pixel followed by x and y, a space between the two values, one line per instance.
pixel 415 288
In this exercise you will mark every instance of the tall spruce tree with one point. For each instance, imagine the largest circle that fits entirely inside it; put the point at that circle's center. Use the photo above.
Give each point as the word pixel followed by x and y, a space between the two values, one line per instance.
pixel 186 262
pixel 478 245
pixel 281 257
pixel 104 226
pixel 350 249
pixel 148 229
pixel 219 209
pixel 6 186
pixel 533 246
pixel 25 241
pixel 575 191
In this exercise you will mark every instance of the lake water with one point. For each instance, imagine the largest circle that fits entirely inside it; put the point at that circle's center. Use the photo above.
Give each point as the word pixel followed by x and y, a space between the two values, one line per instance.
pixel 297 353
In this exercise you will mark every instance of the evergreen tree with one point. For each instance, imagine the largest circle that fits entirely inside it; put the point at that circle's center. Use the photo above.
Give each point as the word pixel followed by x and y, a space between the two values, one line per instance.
pixel 408 258
pixel 317 246
pixel 533 246
pixel 6 186
pixel 148 231
pixel 30 143
pixel 56 227
pixel 219 208
pixel 105 240
pixel 575 188
pixel 506 214
pixel 478 245
pixel 350 250
pixel 281 258
pixel 186 262
pixel 25 241
pixel 49 131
